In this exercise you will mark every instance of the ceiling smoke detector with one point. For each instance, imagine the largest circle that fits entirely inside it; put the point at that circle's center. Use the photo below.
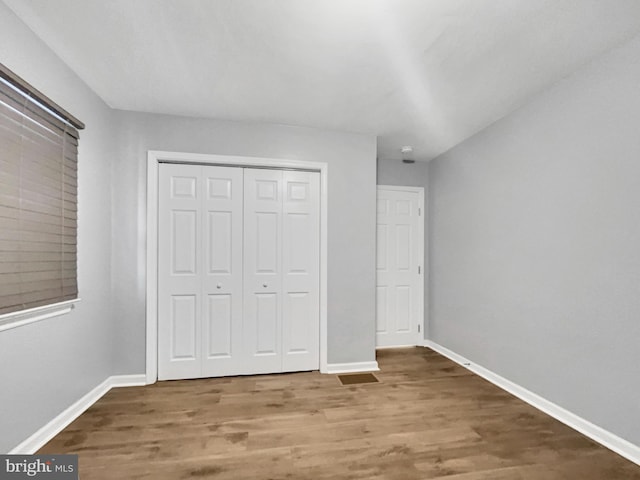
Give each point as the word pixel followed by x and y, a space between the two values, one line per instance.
pixel 407 152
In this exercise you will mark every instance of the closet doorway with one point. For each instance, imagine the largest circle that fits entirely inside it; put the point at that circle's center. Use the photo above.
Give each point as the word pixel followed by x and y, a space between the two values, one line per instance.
pixel 240 266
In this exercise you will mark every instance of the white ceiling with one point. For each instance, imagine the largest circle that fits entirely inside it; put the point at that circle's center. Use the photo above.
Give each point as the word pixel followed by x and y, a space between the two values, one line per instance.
pixel 426 73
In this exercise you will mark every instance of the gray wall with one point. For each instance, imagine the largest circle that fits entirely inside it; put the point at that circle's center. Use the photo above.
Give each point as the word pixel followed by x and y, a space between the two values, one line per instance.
pixel 352 174
pixel 535 244
pixel 394 172
pixel 46 366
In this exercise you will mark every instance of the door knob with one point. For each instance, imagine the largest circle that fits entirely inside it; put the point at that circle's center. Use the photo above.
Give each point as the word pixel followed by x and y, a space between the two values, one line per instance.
pixel 264 285
pixel 219 285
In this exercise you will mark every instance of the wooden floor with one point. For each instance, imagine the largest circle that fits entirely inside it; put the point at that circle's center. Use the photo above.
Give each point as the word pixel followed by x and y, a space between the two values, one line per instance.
pixel 427 418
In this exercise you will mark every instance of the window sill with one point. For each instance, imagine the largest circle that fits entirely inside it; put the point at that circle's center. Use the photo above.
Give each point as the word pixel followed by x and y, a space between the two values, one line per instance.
pixel 25 317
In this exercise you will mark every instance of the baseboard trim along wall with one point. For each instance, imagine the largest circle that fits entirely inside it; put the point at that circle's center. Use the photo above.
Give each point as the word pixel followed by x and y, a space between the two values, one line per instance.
pixel 395 347
pixel 607 439
pixel 57 424
pixel 353 367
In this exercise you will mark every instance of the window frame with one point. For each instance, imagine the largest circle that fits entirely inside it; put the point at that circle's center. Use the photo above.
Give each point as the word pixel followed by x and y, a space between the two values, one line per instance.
pixel 32 315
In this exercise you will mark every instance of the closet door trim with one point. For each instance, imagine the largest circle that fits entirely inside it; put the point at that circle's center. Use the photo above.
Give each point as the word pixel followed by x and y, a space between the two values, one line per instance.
pixel 154 158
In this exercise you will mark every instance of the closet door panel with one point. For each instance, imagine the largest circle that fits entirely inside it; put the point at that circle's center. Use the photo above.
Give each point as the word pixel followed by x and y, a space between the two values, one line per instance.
pixel 219 326
pixel 266 324
pixel 263 270
pixel 179 272
pixel 222 218
pixel 183 320
pixel 301 260
pixel 297 336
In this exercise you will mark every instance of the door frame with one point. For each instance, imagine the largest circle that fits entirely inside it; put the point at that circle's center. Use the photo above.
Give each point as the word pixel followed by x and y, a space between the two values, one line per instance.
pixel 154 158
pixel 420 336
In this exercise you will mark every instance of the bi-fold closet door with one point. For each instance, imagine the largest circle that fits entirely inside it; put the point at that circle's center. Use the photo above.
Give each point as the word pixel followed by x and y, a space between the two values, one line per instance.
pixel 238 270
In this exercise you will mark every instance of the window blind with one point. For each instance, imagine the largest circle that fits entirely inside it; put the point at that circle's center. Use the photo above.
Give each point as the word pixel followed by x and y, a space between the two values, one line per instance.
pixel 38 202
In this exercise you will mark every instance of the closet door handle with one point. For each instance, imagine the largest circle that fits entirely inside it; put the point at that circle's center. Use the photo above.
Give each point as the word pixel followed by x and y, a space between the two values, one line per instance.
pixel 264 285
pixel 218 286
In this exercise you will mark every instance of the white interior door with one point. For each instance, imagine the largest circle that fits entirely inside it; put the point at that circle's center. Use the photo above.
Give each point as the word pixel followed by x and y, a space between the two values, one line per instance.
pixel 200 271
pixel 282 283
pixel 399 267
pixel 179 272
pixel 300 268
pixel 222 218
pixel 263 270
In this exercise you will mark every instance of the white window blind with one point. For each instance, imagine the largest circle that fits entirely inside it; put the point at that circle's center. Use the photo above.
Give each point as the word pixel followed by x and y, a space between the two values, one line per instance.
pixel 38 200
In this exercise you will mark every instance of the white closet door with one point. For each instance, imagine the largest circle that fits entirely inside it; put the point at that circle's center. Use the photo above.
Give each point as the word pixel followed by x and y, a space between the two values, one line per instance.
pixel 238 271
pixel 222 271
pixel 179 272
pixel 300 269
pixel 263 270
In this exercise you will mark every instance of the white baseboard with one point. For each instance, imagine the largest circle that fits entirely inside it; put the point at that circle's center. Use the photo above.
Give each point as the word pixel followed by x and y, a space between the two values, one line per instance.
pixel 128 380
pixel 613 442
pixel 57 424
pixel 353 367
pixel 389 347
